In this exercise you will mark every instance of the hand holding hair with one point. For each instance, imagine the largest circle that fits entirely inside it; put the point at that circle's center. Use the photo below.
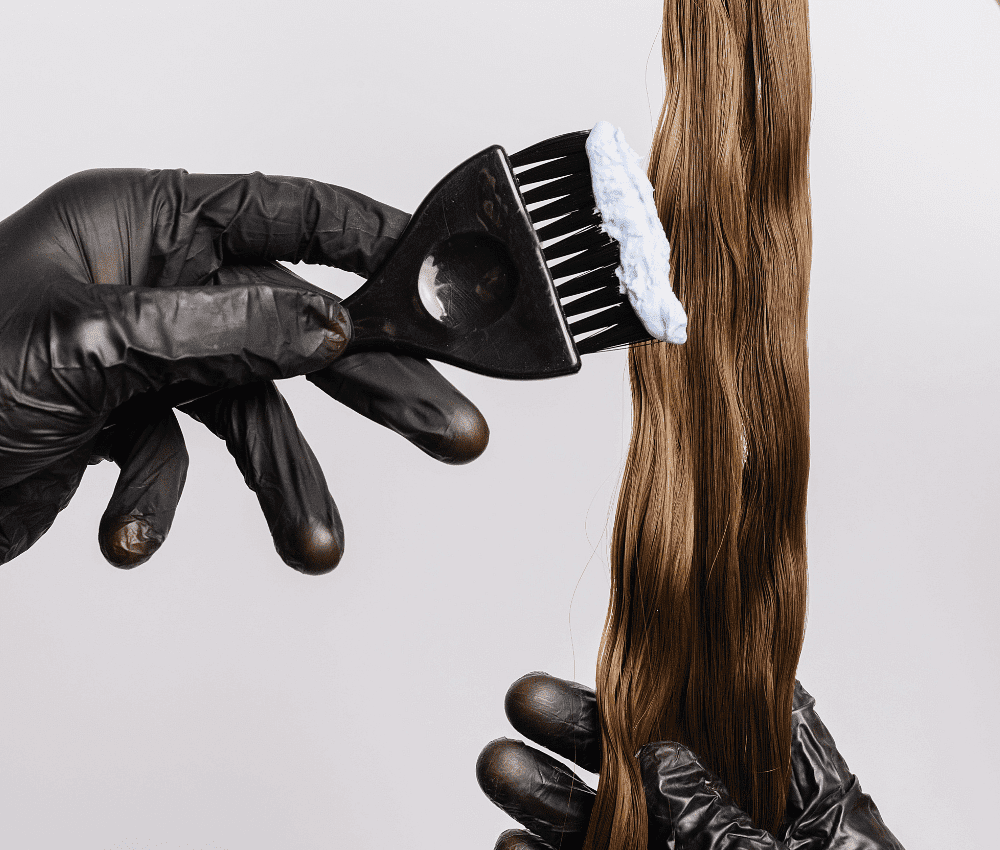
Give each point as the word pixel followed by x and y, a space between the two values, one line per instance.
pixel 687 805
pixel 126 292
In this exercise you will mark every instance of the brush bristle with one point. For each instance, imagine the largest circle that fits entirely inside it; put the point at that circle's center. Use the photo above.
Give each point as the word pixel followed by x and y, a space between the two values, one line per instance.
pixel 558 146
pixel 581 257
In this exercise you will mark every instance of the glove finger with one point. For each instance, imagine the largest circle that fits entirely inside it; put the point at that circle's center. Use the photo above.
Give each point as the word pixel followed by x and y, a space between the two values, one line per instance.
pixel 148 446
pixel 409 396
pixel 280 467
pixel 29 507
pixel 537 791
pixel 518 839
pixel 135 339
pixel 687 802
pixel 558 714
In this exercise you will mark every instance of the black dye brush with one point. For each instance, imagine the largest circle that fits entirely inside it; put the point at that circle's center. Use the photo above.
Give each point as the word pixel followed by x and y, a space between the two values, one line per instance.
pixel 472 280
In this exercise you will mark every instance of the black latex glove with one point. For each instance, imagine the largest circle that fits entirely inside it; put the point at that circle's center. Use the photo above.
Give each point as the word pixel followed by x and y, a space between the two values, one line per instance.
pixel 125 291
pixel 687 805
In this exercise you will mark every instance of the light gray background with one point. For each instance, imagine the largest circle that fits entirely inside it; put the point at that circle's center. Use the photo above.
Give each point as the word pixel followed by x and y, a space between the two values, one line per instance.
pixel 213 698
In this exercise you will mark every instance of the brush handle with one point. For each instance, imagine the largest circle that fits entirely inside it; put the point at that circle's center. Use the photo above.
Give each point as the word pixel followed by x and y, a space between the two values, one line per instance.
pixel 467 283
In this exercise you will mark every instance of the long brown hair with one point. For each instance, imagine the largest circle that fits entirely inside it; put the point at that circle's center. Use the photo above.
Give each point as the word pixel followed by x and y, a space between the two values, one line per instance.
pixel 708 592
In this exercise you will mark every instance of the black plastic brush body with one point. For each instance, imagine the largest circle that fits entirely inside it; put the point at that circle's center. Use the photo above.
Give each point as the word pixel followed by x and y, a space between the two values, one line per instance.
pixel 472 280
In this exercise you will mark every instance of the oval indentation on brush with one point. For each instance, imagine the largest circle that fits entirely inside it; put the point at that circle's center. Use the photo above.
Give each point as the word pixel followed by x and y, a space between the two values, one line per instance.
pixel 563 145
pixel 582 200
pixel 557 188
pixel 588 260
pixel 578 163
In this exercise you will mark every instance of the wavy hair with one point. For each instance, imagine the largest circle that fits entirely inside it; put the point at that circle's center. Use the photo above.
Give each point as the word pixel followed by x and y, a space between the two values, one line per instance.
pixel 708 555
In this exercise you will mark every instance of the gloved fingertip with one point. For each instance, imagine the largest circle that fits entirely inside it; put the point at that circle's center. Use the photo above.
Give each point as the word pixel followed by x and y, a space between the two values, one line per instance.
pixel 127 542
pixel 505 770
pixel 465 438
pixel 537 791
pixel 528 695
pixel 338 330
pixel 312 548
pixel 518 839
pixel 558 714
pixel 468 436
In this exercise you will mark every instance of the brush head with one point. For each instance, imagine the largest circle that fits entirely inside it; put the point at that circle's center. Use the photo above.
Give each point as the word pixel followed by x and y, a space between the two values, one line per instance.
pixel 554 179
pixel 468 283
pixel 515 273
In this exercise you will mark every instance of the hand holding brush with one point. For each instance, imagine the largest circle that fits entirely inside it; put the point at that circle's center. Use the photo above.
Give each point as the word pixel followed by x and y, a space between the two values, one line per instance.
pixel 125 292
pixel 159 288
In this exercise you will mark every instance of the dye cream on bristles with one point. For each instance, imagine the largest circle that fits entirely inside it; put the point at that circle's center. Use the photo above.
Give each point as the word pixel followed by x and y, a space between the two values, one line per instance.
pixel 624 198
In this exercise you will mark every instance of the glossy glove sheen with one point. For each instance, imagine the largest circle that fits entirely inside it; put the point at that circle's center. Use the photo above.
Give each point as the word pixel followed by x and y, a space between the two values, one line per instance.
pixel 124 292
pixel 687 805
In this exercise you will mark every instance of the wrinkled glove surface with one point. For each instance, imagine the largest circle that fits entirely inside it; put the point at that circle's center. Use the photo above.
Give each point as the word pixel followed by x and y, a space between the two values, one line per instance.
pixel 687 805
pixel 124 292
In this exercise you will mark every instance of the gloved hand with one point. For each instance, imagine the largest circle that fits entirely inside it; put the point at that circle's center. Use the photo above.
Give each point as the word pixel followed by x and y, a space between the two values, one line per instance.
pixel 686 804
pixel 125 292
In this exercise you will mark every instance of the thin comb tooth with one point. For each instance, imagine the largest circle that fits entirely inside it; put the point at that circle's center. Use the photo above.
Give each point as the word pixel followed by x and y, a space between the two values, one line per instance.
pixel 557 188
pixel 567 143
pixel 603 256
pixel 604 297
pixel 620 314
pixel 586 240
pixel 598 321
pixel 584 199
pixel 586 282
pixel 614 337
pixel 576 164
pixel 576 220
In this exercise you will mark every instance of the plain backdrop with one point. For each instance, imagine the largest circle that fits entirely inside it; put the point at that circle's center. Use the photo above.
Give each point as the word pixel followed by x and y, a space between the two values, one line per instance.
pixel 214 699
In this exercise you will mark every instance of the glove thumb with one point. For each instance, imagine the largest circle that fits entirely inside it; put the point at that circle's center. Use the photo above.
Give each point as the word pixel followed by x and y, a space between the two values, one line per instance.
pixel 688 806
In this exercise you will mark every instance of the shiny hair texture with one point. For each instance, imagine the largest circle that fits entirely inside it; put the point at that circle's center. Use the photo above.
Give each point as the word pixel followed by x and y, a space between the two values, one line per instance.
pixel 708 554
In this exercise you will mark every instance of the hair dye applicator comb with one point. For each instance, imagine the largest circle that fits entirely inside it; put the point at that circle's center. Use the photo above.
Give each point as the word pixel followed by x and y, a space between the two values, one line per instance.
pixel 515 266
